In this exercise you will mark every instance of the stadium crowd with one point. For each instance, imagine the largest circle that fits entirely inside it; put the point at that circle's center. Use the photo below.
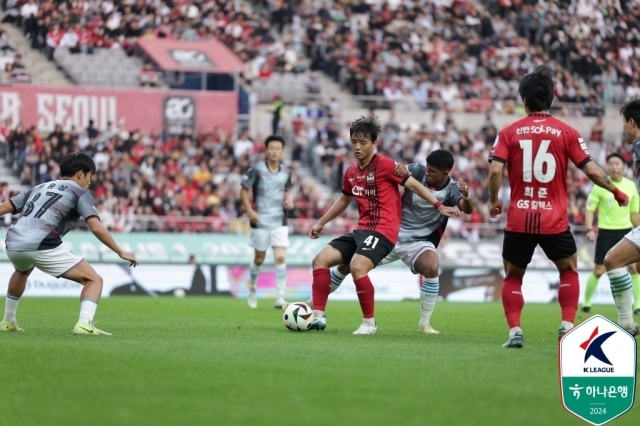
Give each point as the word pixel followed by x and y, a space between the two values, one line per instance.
pixel 153 182
pixel 452 52
pixel 163 182
pixel 84 26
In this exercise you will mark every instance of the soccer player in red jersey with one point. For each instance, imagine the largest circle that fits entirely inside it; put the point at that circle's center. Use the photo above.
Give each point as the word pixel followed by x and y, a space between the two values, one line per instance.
pixel 536 150
pixel 374 184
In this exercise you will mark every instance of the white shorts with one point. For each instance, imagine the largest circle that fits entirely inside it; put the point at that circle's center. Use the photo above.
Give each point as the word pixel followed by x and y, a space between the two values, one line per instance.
pixel 634 237
pixel 262 239
pixel 56 262
pixel 408 253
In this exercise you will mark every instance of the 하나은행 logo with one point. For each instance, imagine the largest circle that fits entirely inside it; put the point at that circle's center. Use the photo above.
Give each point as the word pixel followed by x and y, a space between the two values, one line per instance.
pixel 598 365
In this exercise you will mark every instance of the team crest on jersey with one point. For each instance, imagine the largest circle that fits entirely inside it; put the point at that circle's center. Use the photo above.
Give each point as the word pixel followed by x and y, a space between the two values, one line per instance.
pixel 371 178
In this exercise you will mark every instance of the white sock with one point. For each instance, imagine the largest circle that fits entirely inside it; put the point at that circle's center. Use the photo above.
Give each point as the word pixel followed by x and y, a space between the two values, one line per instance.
pixel 514 330
pixel 318 314
pixel 370 321
pixel 621 289
pixel 87 311
pixel 567 325
pixel 10 308
pixel 281 279
pixel 254 271
pixel 428 297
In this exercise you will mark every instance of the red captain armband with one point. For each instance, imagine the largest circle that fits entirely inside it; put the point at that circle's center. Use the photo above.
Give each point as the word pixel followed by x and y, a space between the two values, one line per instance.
pixel 437 205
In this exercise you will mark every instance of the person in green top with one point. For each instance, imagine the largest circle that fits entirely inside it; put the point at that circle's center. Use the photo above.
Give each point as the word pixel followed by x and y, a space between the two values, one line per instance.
pixel 614 222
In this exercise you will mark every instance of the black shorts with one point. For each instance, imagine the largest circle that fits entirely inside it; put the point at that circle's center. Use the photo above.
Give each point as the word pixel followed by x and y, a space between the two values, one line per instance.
pixel 370 244
pixel 605 242
pixel 518 248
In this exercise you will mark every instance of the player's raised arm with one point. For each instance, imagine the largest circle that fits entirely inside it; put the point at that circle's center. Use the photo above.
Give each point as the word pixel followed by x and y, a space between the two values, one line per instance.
pixel 415 186
pixel 336 210
pixel 465 203
pixel 87 210
pixel 600 178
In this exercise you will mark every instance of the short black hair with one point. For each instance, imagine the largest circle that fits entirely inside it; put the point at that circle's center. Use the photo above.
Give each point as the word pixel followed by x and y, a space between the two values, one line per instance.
pixel 615 155
pixel 273 138
pixel 631 110
pixel 367 126
pixel 537 89
pixel 76 162
pixel 440 159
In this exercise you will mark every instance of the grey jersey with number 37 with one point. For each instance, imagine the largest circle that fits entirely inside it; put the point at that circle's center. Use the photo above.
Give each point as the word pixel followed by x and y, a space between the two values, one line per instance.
pixel 49 211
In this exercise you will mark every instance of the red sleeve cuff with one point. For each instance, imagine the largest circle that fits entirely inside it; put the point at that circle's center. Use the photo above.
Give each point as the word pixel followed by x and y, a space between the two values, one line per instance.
pixel 498 159
pixel 347 193
pixel 404 180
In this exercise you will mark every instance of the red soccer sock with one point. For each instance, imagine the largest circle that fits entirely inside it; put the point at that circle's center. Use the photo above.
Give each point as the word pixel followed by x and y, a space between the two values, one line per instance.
pixel 512 300
pixel 366 294
pixel 321 288
pixel 568 295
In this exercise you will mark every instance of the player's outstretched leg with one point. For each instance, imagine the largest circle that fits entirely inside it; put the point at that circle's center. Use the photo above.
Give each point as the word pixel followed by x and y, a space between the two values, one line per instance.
pixel 360 267
pixel 321 287
pixel 513 303
pixel 85 275
pixel 427 265
pixel 622 254
pixel 336 279
pixel 17 284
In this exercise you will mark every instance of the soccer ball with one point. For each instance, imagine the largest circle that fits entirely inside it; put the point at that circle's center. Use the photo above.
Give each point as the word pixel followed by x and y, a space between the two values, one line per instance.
pixel 298 316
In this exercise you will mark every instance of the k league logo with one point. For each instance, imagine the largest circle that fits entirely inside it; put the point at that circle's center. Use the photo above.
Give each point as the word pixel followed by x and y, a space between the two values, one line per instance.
pixel 598 370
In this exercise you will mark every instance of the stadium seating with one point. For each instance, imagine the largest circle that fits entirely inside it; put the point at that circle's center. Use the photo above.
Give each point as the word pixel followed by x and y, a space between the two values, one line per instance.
pixel 454 53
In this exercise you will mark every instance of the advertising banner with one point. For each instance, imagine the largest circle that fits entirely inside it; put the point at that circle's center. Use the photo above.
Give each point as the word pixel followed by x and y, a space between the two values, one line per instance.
pixel 233 249
pixel 392 283
pixel 144 109
pixel 120 279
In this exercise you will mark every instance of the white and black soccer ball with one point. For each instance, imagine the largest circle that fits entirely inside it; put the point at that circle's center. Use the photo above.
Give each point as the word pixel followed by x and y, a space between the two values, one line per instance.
pixel 298 316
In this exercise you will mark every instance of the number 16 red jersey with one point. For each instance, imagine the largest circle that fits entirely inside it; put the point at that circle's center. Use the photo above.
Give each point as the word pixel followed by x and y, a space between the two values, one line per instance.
pixel 537 150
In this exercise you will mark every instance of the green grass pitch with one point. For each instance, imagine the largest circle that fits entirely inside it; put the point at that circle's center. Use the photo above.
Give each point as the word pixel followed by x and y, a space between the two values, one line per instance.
pixel 213 361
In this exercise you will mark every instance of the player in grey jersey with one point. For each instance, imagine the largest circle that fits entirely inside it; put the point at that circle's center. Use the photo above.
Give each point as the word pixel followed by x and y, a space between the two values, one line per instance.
pixel 421 228
pixel 270 182
pixel 48 212
pixel 627 251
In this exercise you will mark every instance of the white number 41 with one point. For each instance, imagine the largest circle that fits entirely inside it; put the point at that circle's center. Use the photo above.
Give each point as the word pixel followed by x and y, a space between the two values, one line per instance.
pixel 371 239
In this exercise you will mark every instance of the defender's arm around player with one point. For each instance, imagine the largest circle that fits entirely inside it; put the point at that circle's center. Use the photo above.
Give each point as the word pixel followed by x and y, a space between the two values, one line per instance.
pixel 421 227
pixel 48 212
pixel 372 181
pixel 614 222
pixel 536 150
pixel 270 182
pixel 627 251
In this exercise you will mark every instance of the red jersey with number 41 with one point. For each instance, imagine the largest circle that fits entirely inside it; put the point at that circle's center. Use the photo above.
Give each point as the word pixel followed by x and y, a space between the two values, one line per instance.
pixel 537 150
pixel 375 188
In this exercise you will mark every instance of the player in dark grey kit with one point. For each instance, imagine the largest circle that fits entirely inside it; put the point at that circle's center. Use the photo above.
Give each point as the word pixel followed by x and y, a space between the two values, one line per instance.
pixel 421 228
pixel 48 212
pixel 270 182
